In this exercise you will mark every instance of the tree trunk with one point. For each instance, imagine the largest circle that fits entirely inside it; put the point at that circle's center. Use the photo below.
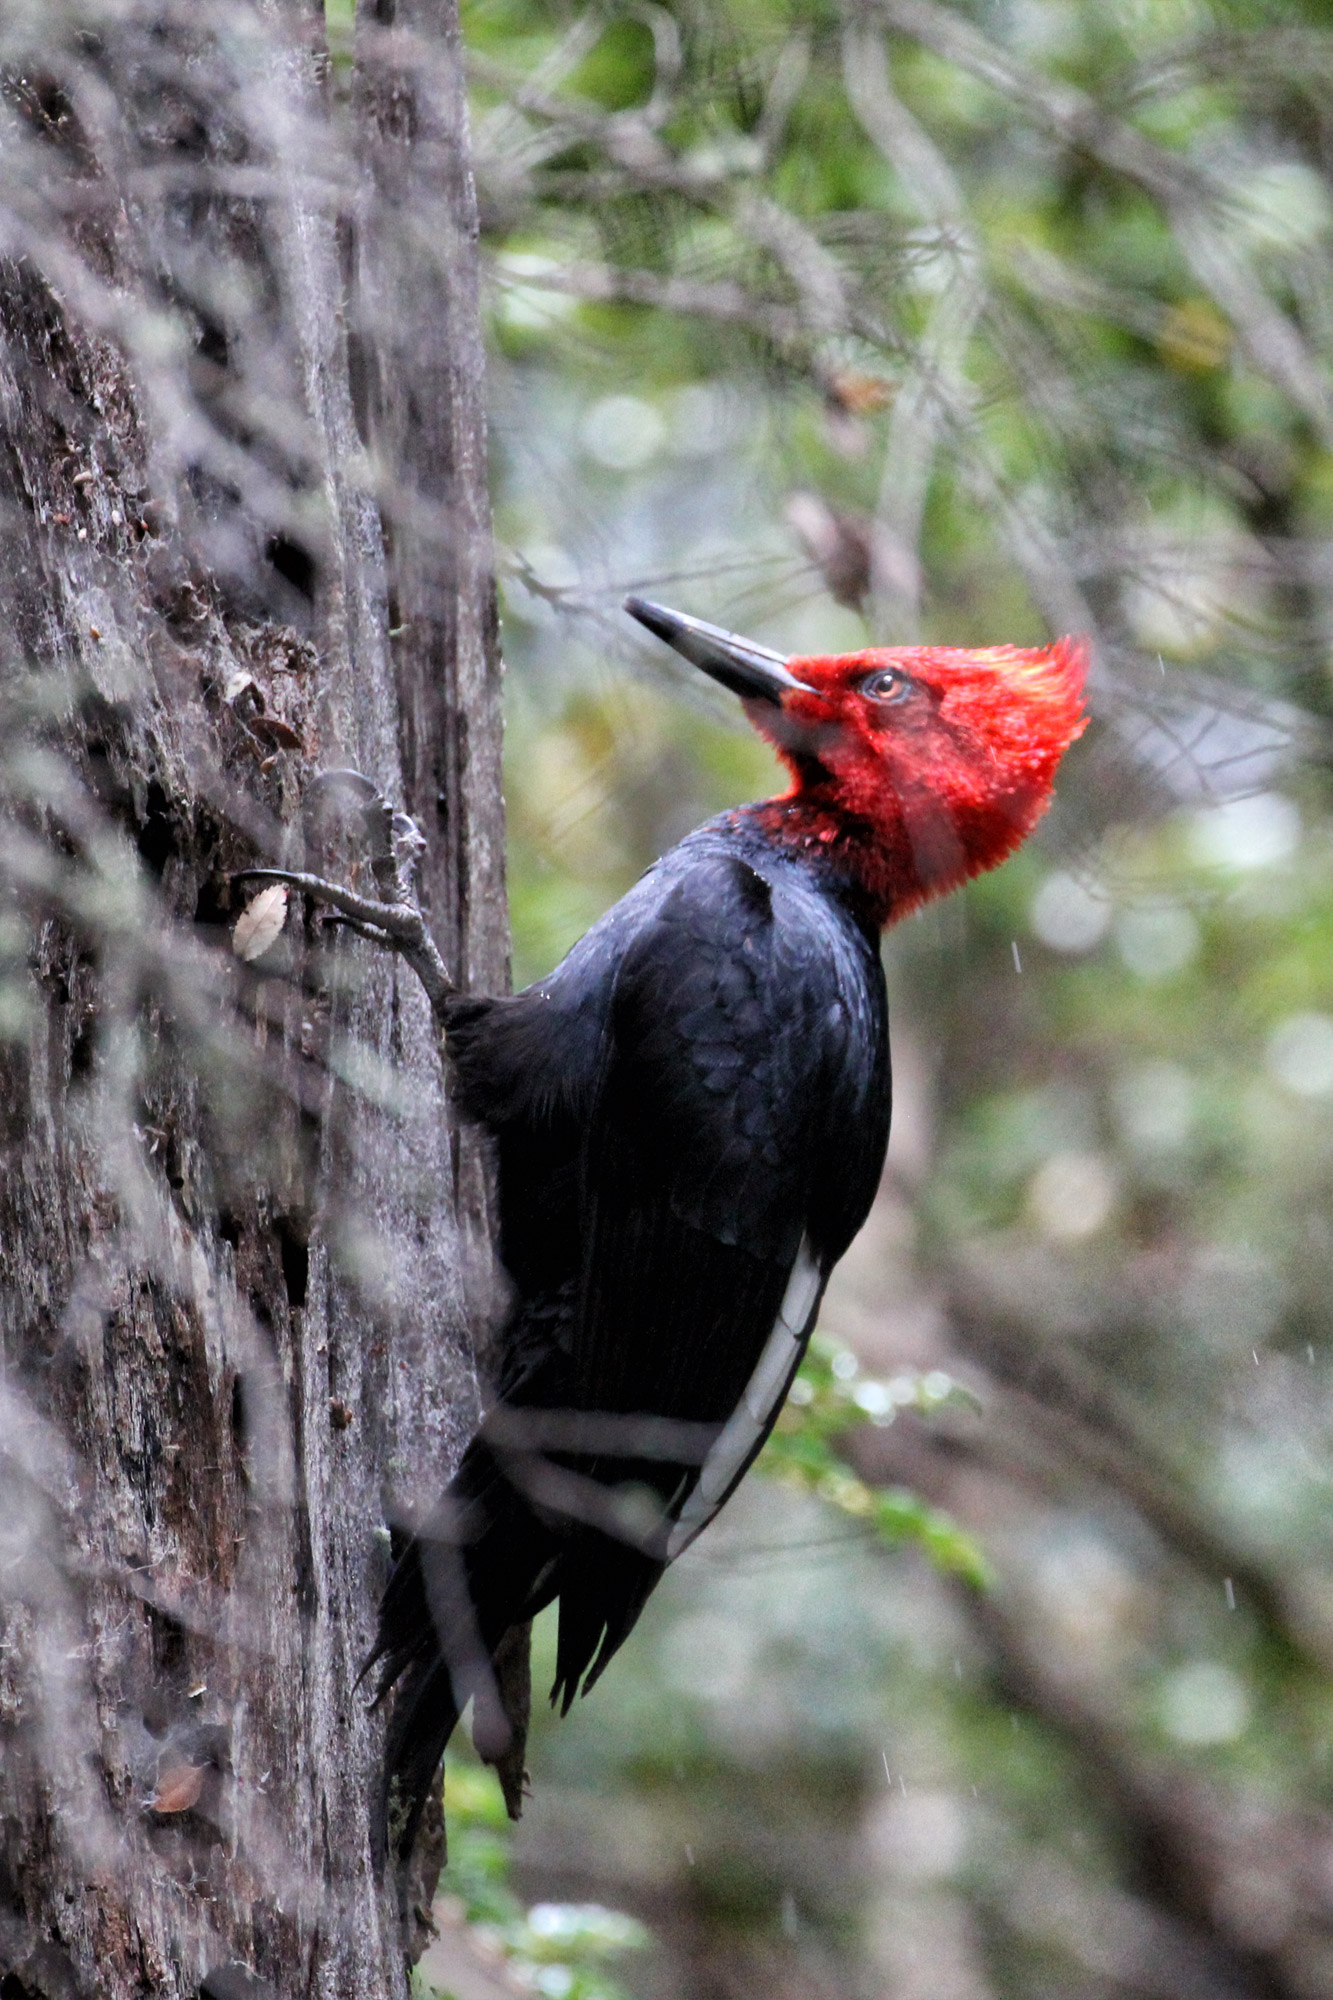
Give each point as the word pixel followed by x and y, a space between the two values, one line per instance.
pixel 243 1253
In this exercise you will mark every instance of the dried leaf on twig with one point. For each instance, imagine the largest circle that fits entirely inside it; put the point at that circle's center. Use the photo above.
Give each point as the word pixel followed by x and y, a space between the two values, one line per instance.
pixel 178 1788
pixel 260 924
pixel 279 734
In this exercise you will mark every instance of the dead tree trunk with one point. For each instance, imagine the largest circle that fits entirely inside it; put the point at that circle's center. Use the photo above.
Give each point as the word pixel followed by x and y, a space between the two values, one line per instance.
pixel 244 538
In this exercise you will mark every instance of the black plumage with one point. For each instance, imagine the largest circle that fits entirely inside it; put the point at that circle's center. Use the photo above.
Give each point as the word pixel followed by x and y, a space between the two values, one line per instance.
pixel 691 1114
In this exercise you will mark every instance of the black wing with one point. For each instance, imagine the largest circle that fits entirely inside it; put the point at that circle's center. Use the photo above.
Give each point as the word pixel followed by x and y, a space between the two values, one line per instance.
pixel 691 1117
pixel 735 1140
pixel 696 1158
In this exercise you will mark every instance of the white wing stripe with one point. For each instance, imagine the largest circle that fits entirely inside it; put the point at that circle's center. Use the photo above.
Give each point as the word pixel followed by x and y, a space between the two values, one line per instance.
pixel 746 1423
pixel 802 1289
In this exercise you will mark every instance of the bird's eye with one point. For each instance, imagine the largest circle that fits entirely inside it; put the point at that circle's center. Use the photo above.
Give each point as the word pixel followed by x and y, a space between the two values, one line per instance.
pixel 887 685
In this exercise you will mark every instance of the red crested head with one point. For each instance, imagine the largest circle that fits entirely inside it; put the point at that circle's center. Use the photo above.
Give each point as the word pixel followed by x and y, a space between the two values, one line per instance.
pixel 933 762
pixel 915 767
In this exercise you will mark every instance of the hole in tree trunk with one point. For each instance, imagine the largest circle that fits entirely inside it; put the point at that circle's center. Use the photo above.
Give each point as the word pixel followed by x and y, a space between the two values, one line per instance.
pixel 238 1426
pixel 83 1044
pixel 156 839
pixel 294 564
pixel 295 1258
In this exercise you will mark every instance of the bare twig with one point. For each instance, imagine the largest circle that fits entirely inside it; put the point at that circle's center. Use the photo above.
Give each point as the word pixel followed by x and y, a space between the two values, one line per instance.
pixel 1196 203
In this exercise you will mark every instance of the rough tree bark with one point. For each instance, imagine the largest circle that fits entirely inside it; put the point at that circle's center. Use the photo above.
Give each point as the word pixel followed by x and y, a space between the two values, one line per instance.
pixel 244 537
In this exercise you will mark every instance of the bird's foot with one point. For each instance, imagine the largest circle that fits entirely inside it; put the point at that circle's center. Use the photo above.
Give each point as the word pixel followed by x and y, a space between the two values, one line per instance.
pixel 393 918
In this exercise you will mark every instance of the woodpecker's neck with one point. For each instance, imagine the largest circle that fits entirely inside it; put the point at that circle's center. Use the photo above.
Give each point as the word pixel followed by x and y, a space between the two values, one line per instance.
pixel 873 862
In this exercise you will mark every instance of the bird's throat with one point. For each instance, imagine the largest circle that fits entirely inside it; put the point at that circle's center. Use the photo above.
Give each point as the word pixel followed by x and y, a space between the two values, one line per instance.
pixel 886 867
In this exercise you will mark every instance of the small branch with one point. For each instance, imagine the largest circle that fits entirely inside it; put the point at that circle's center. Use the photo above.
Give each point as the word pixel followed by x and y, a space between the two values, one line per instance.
pixel 937 379
pixel 724 300
pixel 388 917
pixel 815 275
pixel 1198 205
pixel 398 925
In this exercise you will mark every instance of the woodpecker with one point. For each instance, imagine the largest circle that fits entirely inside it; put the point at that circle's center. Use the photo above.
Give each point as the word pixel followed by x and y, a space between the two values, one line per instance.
pixel 690 1117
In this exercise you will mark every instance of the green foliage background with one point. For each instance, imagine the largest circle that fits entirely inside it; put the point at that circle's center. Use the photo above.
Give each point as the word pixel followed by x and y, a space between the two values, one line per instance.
pixel 851 325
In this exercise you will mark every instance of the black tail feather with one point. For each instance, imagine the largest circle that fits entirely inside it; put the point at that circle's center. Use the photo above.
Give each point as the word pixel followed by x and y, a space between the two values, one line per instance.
pixel 475 1572
pixel 453 1628
pixel 604 1586
pixel 424 1718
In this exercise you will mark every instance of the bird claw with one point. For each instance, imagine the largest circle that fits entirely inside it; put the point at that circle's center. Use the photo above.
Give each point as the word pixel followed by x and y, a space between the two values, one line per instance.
pixel 394 919
pixel 363 789
pixel 395 840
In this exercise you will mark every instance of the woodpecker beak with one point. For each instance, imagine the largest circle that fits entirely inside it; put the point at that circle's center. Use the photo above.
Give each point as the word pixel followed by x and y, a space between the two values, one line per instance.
pixel 751 671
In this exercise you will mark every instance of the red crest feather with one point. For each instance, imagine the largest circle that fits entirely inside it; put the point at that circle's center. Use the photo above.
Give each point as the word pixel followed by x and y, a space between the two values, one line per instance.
pixel 923 765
